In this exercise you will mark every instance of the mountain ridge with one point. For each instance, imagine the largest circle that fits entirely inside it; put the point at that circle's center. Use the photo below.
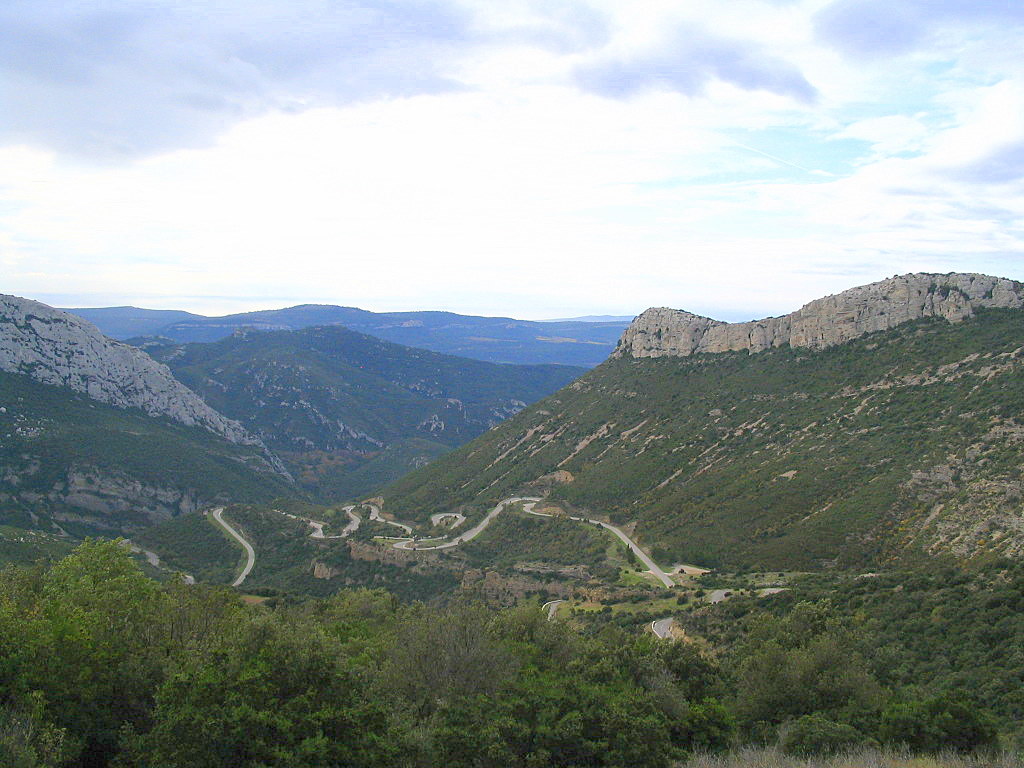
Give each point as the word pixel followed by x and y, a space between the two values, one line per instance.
pixel 61 349
pixel 892 446
pixel 326 398
pixel 830 320
pixel 491 339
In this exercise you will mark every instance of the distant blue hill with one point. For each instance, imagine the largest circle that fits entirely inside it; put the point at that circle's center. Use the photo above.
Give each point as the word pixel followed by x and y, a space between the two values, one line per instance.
pixel 594 319
pixel 578 342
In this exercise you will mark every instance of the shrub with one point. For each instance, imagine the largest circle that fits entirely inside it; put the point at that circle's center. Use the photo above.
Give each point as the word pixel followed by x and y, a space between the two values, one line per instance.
pixel 814 734
pixel 937 725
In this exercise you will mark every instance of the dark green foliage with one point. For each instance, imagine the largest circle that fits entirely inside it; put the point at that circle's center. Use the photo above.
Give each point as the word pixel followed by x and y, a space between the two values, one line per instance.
pixel 790 458
pixel 937 725
pixel 815 735
pixel 807 662
pixel 29 740
pixel 350 412
pixel 48 433
pixel 951 633
pixel 194 544
pixel 273 694
pixel 96 659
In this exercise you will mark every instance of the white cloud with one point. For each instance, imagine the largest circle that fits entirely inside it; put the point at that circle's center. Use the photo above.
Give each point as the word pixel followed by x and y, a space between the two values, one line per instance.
pixel 519 194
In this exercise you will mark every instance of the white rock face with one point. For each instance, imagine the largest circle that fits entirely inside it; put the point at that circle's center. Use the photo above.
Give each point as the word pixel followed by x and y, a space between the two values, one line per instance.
pixel 662 332
pixel 61 349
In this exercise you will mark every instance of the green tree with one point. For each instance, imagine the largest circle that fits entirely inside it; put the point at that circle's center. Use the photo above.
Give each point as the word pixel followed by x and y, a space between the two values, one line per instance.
pixel 813 735
pixel 276 695
pixel 937 725
pixel 807 662
pixel 83 635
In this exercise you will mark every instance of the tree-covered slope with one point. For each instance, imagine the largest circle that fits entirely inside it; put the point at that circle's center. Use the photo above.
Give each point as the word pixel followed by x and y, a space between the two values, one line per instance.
pixel 330 401
pixel 93 466
pixel 899 444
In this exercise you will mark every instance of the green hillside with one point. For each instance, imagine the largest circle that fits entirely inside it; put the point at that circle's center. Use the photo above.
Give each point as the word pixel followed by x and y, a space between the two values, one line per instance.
pixel 349 412
pixel 900 445
pixel 97 468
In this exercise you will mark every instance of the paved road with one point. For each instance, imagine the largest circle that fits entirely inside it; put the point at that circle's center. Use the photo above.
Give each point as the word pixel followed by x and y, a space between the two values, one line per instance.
pixel 473 532
pixel 551 608
pixel 318 527
pixel 457 517
pixel 376 515
pixel 249 551
pixel 528 507
pixel 353 521
pixel 662 628
pixel 652 566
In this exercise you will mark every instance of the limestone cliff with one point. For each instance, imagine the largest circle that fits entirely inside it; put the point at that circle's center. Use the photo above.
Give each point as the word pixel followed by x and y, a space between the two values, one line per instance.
pixel 61 349
pixel 662 332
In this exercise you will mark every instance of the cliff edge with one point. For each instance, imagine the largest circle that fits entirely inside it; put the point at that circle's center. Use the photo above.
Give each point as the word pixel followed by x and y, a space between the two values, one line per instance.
pixel 663 332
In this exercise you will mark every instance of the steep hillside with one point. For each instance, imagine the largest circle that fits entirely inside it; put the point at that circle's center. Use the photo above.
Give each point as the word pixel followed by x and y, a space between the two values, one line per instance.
pixel 349 412
pixel 57 348
pixel 492 339
pixel 96 436
pixel 92 467
pixel 898 444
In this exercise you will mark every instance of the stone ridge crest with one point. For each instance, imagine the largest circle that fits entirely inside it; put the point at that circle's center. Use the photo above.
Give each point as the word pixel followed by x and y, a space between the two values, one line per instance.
pixel 663 332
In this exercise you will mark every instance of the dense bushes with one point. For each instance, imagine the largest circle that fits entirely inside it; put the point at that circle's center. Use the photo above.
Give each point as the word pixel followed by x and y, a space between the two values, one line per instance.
pixel 101 666
pixel 940 724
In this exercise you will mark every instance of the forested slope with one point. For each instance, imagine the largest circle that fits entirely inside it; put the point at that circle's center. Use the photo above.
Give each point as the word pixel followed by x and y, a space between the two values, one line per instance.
pixel 898 445
pixel 349 412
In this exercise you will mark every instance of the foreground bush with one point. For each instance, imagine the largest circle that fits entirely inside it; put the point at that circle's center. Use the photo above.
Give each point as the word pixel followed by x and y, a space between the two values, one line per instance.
pixel 937 725
pixel 865 758
pixel 817 735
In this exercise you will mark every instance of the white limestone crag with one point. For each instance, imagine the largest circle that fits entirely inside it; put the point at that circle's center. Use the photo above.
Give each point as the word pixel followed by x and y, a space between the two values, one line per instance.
pixel 61 349
pixel 662 332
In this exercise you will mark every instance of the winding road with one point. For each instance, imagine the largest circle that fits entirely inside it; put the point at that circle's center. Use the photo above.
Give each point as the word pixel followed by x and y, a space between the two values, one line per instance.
pixel 377 516
pixel 528 506
pixel 529 502
pixel 652 566
pixel 318 527
pixel 249 551
pixel 551 608
pixel 472 533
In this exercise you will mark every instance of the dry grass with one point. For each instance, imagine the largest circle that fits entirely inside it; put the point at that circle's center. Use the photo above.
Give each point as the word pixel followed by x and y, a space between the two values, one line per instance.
pixel 868 758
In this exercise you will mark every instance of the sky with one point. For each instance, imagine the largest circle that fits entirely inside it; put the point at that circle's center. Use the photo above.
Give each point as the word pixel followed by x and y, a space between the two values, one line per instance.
pixel 528 158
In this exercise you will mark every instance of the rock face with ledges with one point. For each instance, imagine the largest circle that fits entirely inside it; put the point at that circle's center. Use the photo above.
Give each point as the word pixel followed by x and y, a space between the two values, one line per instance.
pixel 662 332
pixel 60 349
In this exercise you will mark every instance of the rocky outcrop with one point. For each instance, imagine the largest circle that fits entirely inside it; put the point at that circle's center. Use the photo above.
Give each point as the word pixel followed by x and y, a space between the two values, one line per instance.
pixel 662 332
pixel 61 349
pixel 117 501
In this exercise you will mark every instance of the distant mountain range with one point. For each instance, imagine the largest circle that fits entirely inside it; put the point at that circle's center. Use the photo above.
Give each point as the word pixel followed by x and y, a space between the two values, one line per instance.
pixel 882 425
pixel 581 342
